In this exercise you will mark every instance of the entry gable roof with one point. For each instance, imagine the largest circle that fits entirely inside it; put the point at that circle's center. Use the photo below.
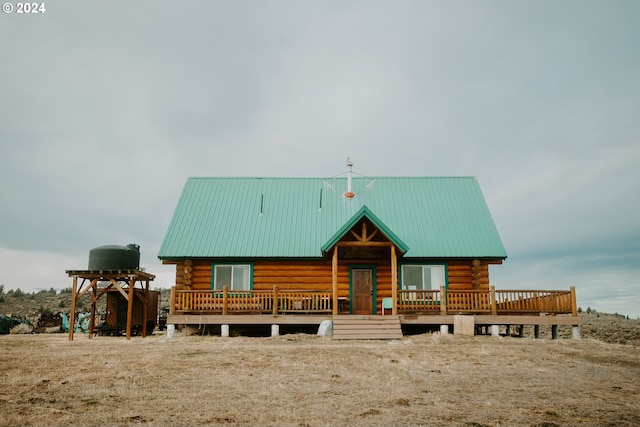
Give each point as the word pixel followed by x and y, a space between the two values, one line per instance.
pixel 364 212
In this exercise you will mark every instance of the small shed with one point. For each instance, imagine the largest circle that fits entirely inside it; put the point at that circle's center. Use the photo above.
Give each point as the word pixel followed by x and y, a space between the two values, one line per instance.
pixel 116 313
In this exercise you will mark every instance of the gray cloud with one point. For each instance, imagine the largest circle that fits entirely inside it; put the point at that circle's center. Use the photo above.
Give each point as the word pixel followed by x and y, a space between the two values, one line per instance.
pixel 108 107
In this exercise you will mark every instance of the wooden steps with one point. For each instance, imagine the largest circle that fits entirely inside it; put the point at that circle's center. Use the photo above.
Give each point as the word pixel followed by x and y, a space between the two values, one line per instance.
pixel 366 328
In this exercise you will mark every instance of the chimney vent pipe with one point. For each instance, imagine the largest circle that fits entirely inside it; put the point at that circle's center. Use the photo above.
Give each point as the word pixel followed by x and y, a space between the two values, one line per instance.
pixel 349 194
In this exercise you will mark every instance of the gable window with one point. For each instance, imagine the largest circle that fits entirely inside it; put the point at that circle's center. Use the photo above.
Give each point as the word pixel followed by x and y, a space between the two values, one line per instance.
pixel 423 277
pixel 237 277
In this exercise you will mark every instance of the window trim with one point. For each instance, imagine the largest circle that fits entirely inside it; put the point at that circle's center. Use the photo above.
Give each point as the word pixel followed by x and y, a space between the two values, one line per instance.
pixel 424 264
pixel 231 264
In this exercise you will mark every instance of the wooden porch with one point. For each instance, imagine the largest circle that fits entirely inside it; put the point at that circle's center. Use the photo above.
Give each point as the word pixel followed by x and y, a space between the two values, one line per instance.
pixel 443 308
pixel 440 302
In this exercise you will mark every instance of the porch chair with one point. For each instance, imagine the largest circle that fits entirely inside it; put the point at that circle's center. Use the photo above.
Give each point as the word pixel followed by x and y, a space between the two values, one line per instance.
pixel 387 303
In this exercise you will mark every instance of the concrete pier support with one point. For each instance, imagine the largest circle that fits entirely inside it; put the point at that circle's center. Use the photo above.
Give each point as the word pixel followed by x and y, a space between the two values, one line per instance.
pixel 224 331
pixel 575 332
pixel 495 330
pixel 463 325
pixel 275 330
pixel 444 329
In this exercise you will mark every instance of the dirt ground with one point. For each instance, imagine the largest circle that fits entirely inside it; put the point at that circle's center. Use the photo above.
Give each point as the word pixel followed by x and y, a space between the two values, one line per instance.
pixel 304 380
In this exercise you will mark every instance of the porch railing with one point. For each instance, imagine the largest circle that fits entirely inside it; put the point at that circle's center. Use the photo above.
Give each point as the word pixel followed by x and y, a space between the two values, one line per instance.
pixel 508 302
pixel 491 301
pixel 442 301
pixel 260 302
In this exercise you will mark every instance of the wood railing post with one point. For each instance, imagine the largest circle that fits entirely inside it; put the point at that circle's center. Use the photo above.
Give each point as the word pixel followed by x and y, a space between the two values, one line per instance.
pixel 574 305
pixel 225 300
pixel 334 281
pixel 172 301
pixel 494 305
pixel 443 301
pixel 275 300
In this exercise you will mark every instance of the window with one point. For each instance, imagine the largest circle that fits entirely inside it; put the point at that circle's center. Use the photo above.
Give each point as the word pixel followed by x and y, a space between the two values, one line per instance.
pixel 236 277
pixel 423 277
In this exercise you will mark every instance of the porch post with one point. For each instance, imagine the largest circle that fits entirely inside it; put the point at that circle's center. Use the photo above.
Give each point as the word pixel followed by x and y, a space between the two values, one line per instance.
pixel 394 281
pixel 334 281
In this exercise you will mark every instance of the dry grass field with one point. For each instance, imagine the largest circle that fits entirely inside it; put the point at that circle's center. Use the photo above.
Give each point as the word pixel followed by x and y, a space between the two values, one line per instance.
pixel 304 380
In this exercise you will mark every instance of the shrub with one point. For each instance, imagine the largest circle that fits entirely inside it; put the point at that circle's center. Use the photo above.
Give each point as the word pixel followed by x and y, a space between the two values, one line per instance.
pixel 45 312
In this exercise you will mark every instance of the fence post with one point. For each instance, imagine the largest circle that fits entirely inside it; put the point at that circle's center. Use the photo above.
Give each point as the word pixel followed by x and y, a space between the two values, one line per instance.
pixel 443 301
pixel 494 305
pixel 275 300
pixel 225 299
pixel 574 305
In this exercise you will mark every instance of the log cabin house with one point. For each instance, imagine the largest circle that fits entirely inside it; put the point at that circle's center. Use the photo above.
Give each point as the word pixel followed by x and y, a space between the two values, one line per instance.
pixel 355 250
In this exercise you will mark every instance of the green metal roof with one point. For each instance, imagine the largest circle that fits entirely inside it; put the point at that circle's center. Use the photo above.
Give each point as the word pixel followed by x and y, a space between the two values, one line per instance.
pixel 434 217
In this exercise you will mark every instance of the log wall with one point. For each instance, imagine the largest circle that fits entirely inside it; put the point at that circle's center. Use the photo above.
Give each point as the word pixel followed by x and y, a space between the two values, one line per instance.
pixel 195 276
pixel 464 276
pixel 316 275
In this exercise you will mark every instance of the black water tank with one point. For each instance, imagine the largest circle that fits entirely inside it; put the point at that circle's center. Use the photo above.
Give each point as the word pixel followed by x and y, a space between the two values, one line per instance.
pixel 114 257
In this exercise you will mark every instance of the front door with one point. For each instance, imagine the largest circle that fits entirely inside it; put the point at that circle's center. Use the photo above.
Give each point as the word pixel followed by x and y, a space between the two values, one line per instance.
pixel 362 285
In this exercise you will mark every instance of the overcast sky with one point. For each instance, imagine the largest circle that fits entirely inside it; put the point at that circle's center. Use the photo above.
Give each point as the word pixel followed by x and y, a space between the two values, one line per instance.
pixel 107 107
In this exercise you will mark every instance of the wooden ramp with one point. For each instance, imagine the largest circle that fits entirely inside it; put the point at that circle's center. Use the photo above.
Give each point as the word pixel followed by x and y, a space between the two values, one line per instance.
pixel 366 328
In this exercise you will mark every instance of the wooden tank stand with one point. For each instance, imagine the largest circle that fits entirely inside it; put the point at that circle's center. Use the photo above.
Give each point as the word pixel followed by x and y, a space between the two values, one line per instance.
pixel 123 280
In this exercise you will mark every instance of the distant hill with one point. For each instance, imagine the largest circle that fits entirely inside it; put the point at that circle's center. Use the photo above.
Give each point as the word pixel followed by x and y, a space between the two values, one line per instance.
pixel 612 328
pixel 30 305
